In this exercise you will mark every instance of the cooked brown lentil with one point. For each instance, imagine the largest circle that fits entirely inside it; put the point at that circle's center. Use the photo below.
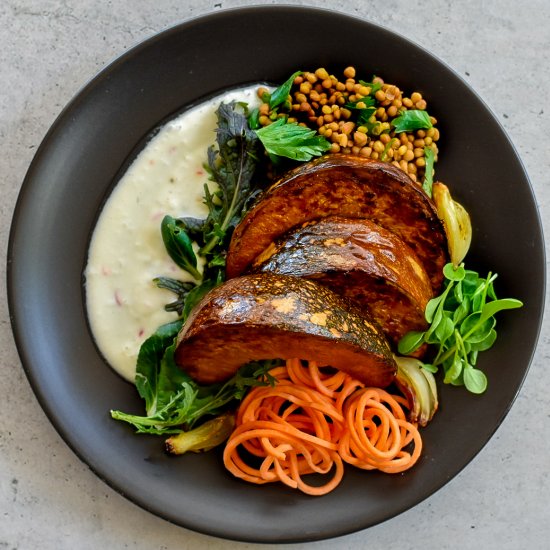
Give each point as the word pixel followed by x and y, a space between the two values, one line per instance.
pixel 318 100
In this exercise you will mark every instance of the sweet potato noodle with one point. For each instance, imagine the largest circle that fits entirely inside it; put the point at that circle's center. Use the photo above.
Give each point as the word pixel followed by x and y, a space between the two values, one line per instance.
pixel 312 421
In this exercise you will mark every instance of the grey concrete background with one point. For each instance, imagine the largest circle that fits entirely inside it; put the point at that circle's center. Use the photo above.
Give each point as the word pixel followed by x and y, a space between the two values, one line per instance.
pixel 48 498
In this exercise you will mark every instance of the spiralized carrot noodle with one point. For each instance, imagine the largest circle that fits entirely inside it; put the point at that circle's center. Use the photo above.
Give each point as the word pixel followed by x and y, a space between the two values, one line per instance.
pixel 312 422
pixel 377 433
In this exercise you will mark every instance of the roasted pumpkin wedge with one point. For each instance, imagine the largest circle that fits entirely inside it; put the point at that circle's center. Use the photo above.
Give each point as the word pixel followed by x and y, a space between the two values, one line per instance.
pixel 360 260
pixel 348 186
pixel 270 316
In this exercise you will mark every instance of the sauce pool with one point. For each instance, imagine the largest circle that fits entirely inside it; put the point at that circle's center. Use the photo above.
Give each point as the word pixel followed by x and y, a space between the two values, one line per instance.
pixel 126 252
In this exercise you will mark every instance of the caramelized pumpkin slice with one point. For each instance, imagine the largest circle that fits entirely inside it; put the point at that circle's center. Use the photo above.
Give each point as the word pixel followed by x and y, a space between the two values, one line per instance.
pixel 269 316
pixel 361 261
pixel 348 186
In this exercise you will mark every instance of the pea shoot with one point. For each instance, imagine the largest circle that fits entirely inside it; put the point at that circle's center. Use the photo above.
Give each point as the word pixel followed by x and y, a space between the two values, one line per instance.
pixel 462 324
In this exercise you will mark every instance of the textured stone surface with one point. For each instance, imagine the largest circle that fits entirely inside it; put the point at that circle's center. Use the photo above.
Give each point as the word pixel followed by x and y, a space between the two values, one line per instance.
pixel 48 498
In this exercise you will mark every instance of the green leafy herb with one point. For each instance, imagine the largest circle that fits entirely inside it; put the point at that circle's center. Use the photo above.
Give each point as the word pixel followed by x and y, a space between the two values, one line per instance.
pixel 254 119
pixel 195 295
pixel 280 95
pixel 188 295
pixel 361 104
pixel 387 148
pixel 427 184
pixel 462 324
pixel 194 227
pixel 232 165
pixel 179 246
pixel 290 140
pixel 413 119
pixel 173 401
pixel 374 86
pixel 365 108
pixel 179 288
pixel 364 119
pixel 149 365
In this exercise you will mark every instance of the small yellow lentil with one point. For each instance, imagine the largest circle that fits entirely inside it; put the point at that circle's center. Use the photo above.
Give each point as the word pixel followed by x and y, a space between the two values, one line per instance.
pixel 349 72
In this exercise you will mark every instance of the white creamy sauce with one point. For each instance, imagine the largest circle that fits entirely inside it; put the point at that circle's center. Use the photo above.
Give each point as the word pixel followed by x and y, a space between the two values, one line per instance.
pixel 126 253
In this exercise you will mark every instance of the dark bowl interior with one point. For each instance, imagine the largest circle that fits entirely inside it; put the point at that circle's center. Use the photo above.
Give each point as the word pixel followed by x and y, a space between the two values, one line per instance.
pixel 80 160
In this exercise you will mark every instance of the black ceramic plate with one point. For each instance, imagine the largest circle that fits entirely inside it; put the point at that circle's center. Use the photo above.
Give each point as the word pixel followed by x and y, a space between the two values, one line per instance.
pixel 79 162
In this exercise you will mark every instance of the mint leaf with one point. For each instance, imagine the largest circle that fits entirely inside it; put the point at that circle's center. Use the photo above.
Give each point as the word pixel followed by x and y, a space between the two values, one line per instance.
pixel 364 102
pixel 290 140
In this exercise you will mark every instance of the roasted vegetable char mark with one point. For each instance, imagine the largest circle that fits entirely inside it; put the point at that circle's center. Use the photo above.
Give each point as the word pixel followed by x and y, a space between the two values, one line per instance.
pixel 351 187
pixel 267 316
pixel 360 260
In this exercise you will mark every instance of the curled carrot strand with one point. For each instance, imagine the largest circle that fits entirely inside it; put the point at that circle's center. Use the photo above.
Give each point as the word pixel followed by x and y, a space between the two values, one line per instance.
pixel 313 422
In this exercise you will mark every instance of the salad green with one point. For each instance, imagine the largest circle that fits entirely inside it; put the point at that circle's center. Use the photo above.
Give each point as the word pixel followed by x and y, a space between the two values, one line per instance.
pixel 461 319
pixel 462 324
pixel 174 402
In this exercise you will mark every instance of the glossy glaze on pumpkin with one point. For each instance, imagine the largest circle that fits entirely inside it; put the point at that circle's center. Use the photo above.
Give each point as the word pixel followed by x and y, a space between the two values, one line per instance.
pixel 269 316
pixel 360 260
pixel 347 186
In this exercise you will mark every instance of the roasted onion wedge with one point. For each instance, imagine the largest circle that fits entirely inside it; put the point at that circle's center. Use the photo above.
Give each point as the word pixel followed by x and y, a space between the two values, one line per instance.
pixel 419 387
pixel 456 222
pixel 204 438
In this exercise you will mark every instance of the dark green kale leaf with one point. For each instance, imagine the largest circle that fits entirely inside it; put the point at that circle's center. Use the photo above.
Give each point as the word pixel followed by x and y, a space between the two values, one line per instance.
pixel 180 288
pixel 232 165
